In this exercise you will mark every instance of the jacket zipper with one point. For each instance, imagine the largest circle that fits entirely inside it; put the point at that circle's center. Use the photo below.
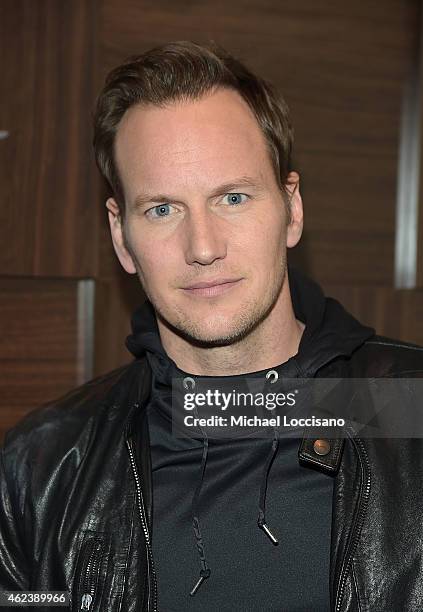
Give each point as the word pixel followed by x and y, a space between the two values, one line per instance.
pixel 152 579
pixel 362 503
pixel 90 574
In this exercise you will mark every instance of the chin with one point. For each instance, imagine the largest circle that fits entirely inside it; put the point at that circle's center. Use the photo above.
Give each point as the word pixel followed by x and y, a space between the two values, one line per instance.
pixel 211 335
pixel 215 329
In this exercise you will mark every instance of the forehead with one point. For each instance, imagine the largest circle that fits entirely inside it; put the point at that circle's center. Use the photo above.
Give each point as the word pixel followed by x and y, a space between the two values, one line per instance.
pixel 190 143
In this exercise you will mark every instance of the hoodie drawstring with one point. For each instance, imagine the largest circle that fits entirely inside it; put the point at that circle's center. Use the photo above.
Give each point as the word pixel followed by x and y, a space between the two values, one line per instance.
pixel 205 569
pixel 261 521
pixel 271 376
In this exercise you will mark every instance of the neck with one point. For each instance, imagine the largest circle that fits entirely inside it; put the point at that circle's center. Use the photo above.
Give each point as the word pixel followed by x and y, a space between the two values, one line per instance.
pixel 270 344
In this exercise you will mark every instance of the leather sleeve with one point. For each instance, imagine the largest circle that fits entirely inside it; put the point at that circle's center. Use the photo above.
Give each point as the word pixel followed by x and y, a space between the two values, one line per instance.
pixel 14 570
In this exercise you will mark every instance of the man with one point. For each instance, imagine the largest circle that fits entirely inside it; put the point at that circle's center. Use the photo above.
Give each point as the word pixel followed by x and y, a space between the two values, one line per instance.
pixel 99 496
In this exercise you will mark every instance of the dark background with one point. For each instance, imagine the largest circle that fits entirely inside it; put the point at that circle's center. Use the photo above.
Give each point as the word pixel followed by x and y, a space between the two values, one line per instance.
pixel 343 68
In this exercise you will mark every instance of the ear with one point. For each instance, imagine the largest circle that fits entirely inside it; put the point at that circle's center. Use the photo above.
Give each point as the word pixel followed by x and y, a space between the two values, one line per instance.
pixel 118 239
pixel 295 226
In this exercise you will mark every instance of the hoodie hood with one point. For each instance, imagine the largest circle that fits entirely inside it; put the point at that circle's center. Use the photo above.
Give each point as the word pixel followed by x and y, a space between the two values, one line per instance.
pixel 330 331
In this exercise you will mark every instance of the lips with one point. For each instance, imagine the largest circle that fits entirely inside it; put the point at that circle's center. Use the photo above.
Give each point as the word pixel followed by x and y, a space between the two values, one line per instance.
pixel 212 288
pixel 212 283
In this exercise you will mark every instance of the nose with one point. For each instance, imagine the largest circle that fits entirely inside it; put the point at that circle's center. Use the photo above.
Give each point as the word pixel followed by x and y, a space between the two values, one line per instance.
pixel 204 239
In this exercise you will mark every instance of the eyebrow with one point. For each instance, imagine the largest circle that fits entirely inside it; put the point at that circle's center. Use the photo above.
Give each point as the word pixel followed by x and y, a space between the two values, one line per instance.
pixel 244 181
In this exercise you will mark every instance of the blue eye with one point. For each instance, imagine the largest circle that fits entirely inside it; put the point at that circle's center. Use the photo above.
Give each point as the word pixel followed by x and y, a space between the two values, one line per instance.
pixel 236 198
pixel 162 210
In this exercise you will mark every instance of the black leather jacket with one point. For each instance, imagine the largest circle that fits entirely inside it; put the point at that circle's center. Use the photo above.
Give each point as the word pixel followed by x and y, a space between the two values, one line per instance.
pixel 76 492
pixel 75 509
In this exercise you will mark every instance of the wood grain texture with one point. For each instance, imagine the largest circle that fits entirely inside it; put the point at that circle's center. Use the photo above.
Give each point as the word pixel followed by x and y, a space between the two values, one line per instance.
pixel 393 313
pixel 116 301
pixel 38 351
pixel 48 211
pixel 341 67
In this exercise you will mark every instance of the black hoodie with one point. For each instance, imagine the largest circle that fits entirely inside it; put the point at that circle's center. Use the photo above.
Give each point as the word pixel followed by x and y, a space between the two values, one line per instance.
pixel 244 491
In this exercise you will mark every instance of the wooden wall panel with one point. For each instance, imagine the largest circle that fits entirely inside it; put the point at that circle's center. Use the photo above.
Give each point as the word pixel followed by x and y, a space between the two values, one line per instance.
pixel 39 348
pixel 116 300
pixel 48 207
pixel 393 313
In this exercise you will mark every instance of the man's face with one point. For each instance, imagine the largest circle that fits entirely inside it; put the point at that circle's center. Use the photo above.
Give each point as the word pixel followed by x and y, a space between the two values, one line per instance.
pixel 202 205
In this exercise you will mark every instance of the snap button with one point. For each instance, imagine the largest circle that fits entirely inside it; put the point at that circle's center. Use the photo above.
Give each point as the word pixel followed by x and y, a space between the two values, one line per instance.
pixel 272 375
pixel 321 447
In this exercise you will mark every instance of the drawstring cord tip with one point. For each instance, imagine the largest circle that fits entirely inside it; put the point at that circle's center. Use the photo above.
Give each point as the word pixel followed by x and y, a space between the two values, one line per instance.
pixel 268 532
pixel 199 582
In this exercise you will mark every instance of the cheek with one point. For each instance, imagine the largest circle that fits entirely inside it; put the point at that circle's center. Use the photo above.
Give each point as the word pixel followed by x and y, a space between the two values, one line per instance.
pixel 268 240
pixel 272 257
pixel 278 235
pixel 156 264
